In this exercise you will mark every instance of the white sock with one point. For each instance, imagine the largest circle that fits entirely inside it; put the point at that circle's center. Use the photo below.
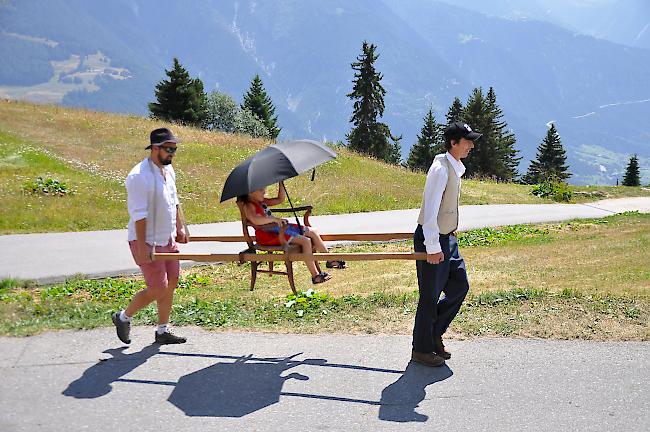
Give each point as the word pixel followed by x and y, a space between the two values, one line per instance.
pixel 162 328
pixel 124 317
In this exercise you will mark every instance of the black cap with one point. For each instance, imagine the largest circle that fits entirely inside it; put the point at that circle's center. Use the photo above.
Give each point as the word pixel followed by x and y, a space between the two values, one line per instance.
pixel 160 136
pixel 457 130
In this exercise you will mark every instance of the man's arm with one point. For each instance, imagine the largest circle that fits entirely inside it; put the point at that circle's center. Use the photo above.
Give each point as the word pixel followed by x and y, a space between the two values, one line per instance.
pixel 138 206
pixel 181 235
pixel 433 191
pixel 143 255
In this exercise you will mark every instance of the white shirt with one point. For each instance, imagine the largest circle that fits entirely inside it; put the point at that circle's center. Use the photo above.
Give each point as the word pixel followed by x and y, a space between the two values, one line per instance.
pixel 433 189
pixel 141 182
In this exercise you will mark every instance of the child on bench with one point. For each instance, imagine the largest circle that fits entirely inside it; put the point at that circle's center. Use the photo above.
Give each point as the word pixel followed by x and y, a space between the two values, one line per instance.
pixel 258 213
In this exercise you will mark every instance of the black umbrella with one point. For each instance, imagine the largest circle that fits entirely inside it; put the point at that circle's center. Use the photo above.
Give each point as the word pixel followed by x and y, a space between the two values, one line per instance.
pixel 274 164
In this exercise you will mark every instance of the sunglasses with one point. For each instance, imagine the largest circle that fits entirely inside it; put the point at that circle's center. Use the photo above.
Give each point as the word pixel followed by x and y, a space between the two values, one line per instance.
pixel 170 150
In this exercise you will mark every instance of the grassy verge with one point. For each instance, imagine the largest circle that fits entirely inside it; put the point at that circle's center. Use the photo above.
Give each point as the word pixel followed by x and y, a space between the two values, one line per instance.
pixel 21 163
pixel 582 279
pixel 92 152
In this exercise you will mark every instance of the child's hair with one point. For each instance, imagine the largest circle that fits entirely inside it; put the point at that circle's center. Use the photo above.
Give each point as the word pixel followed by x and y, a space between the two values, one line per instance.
pixel 242 198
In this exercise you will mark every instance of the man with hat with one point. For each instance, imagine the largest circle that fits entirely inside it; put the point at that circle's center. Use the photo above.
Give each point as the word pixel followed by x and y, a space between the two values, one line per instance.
pixel 154 221
pixel 444 268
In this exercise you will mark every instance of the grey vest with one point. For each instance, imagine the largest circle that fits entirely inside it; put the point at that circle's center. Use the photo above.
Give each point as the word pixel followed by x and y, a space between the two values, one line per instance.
pixel 448 212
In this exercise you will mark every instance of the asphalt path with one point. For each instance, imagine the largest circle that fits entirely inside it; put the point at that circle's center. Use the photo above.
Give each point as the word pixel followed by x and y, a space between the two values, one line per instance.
pixel 88 381
pixel 53 257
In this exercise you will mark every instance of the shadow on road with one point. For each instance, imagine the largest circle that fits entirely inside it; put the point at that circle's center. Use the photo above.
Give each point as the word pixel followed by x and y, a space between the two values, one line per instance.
pixel 399 400
pixel 240 385
pixel 233 389
pixel 96 381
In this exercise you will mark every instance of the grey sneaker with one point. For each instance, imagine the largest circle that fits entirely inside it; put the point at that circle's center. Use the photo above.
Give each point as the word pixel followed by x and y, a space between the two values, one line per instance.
pixel 123 328
pixel 168 338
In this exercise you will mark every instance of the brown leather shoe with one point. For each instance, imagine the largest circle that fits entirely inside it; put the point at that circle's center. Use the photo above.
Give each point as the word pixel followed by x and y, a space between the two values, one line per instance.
pixel 428 359
pixel 440 348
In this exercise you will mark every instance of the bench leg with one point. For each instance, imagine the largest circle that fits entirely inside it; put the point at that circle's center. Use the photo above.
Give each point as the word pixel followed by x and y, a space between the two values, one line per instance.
pixel 254 265
pixel 271 268
pixel 290 276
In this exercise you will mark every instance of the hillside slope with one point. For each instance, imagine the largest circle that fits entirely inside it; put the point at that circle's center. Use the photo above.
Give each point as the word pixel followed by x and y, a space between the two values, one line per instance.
pixel 92 152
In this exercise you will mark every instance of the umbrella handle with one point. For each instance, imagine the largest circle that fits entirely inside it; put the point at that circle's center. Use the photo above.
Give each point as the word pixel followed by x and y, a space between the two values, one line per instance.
pixel 291 204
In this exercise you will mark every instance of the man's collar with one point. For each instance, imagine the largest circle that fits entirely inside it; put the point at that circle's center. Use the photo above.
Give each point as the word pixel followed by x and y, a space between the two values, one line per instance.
pixel 458 165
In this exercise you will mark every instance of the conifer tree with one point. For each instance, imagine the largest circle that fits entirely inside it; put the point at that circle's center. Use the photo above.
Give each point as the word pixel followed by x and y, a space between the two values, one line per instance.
pixel 394 151
pixel 368 135
pixel 494 154
pixel 632 174
pixel 430 142
pixel 480 161
pixel 550 160
pixel 259 103
pixel 455 112
pixel 506 154
pixel 180 99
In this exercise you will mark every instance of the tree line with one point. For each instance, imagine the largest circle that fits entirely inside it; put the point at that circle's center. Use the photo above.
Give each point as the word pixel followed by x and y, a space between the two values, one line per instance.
pixel 182 99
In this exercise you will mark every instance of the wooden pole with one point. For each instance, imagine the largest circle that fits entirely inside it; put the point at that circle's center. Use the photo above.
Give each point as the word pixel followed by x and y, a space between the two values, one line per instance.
pixel 325 237
pixel 264 257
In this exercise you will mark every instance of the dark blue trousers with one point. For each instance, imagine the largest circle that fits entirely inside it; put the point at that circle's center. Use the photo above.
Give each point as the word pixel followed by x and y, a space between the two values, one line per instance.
pixel 434 314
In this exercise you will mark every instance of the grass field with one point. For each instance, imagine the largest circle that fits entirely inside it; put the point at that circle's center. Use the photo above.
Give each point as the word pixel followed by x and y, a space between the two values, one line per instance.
pixel 92 153
pixel 584 279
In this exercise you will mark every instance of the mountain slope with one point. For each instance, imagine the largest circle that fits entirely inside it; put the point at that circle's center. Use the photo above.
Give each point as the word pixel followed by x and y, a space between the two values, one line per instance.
pixel 109 55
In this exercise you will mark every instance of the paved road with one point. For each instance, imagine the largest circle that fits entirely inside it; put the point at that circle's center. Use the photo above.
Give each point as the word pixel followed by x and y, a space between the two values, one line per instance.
pixel 53 257
pixel 86 380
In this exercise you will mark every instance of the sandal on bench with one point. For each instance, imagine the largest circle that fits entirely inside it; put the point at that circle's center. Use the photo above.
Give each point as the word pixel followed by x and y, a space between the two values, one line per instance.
pixel 337 264
pixel 320 278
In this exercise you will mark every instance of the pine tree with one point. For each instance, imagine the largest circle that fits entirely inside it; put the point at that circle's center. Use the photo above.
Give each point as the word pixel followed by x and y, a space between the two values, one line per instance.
pixel 632 174
pixel 494 154
pixel 480 161
pixel 395 151
pixel 550 160
pixel 455 112
pixel 430 142
pixel 507 161
pixel 368 135
pixel 259 103
pixel 180 99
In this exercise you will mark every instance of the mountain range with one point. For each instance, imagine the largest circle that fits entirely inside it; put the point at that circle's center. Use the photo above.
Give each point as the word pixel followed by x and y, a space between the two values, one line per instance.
pixel 109 56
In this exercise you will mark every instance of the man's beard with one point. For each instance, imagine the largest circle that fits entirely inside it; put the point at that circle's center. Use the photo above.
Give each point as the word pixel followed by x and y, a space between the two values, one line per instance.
pixel 164 161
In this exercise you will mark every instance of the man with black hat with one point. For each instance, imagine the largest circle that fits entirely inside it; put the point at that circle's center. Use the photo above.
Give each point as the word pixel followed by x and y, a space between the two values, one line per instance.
pixel 154 221
pixel 444 269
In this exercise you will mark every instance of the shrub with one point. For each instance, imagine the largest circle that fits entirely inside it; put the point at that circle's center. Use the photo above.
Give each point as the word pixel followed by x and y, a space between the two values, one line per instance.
pixel 306 301
pixel 48 186
pixel 554 189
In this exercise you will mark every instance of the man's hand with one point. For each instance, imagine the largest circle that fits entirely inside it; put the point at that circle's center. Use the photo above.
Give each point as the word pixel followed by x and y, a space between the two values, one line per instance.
pixel 181 237
pixel 143 254
pixel 435 258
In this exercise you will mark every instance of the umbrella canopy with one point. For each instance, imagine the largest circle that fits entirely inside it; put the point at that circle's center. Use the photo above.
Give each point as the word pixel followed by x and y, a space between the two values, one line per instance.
pixel 274 164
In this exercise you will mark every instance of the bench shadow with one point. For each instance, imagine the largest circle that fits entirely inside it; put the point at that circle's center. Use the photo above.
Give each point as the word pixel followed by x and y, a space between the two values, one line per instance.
pixel 400 399
pixel 96 381
pixel 236 386
pixel 233 389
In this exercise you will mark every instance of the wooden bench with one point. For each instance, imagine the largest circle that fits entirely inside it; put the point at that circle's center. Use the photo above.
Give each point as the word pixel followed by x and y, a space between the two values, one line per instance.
pixel 257 254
